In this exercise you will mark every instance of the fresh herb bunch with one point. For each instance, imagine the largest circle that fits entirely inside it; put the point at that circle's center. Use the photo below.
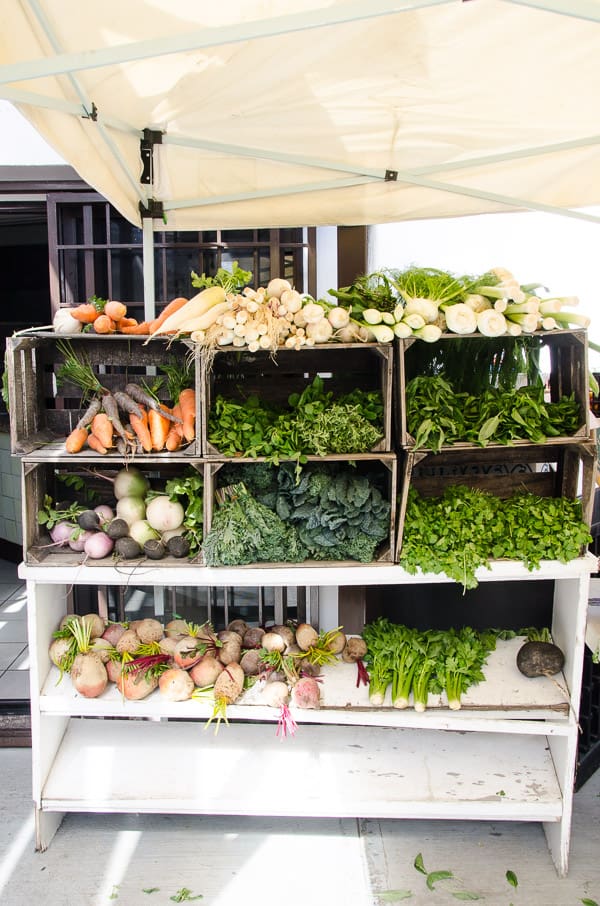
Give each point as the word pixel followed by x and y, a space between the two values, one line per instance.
pixel 436 414
pixel 232 281
pixel 463 529
pixel 431 283
pixel 314 423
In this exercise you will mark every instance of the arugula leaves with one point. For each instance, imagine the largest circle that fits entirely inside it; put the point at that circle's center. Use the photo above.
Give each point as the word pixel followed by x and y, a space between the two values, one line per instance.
pixel 436 414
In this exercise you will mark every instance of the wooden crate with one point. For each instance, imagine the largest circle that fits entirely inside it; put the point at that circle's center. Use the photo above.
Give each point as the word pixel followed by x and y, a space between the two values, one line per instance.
pixel 238 374
pixel 564 351
pixel 60 481
pixel 385 464
pixel 42 414
pixel 548 470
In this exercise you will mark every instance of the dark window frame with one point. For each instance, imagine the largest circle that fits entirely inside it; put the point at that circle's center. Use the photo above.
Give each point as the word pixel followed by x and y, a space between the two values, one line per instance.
pixel 295 260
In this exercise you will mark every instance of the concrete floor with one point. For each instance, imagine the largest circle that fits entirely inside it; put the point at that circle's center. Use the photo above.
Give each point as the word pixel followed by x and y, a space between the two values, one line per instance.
pixel 155 860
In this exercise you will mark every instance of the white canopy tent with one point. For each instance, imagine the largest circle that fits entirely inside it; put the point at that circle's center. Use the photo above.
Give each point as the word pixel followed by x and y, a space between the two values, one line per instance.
pixel 186 114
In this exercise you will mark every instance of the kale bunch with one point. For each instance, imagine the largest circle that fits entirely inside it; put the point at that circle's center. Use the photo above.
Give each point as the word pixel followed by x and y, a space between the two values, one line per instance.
pixel 339 513
pixel 245 531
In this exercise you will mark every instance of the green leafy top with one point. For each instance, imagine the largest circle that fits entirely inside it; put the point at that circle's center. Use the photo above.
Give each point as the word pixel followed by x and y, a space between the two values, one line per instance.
pixel 232 281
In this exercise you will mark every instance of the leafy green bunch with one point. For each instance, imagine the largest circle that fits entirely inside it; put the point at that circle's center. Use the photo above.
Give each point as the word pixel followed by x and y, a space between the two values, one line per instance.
pixel 463 529
pixel 436 414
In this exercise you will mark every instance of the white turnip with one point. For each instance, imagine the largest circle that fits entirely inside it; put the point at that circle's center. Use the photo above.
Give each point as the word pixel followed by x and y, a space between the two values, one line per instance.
pixel 176 685
pixel 130 482
pixel 164 514
pixel 131 509
pixel 141 531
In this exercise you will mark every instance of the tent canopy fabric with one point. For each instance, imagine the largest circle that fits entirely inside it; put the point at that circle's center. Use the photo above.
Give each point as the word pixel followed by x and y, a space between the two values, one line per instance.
pixel 274 113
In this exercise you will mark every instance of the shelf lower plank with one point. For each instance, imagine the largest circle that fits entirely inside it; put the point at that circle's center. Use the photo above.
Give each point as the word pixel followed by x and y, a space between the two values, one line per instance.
pixel 325 771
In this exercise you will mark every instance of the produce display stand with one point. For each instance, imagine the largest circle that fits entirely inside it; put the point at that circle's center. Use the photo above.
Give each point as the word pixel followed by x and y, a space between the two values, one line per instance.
pixel 493 761
pixel 508 754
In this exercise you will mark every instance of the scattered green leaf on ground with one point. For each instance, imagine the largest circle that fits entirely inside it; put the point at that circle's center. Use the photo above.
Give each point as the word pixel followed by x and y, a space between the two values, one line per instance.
pixel 466 895
pixel 418 864
pixel 115 892
pixel 185 895
pixel 150 889
pixel 512 878
pixel 434 876
pixel 588 902
pixel 394 896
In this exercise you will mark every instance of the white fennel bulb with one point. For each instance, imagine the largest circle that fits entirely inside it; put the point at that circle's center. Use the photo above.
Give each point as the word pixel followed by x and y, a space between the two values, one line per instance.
pixel 460 318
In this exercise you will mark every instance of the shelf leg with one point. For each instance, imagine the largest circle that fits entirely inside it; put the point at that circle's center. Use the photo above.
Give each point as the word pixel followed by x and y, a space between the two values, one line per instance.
pixel 46 825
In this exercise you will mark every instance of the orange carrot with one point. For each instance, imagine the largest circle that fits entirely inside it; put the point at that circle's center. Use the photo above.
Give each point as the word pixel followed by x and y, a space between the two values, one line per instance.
pixel 187 403
pixel 76 439
pixel 102 427
pixel 86 312
pixel 115 310
pixel 159 428
pixel 96 444
pixel 140 426
pixel 126 322
pixel 141 328
pixel 173 306
pixel 104 324
pixel 175 435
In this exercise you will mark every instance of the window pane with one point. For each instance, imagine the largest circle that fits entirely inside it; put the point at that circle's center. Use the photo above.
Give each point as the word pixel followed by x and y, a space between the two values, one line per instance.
pixel 127 276
pixel 99 224
pixel 122 232
pixel 264 269
pixel 159 285
pixel 72 280
pixel 244 258
pixel 237 236
pixel 180 264
pixel 263 235
pixel 291 235
pixel 209 263
pixel 70 225
pixel 208 236
pixel 170 237
pixel 101 287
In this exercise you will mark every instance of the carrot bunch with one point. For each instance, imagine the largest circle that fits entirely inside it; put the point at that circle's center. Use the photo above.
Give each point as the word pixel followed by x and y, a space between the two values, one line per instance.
pixel 105 315
pixel 132 420
pixel 110 316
